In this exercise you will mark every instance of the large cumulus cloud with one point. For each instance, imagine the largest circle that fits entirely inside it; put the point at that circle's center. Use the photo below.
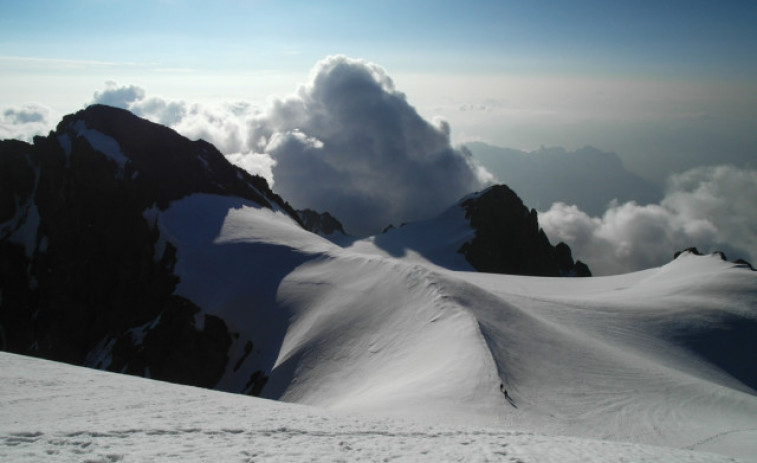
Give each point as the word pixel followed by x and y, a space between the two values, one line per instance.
pixel 348 142
pixel 711 208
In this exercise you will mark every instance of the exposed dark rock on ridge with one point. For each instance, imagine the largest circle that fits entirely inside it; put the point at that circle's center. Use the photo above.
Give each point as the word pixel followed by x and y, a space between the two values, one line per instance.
pixel 321 223
pixel 509 240
pixel 154 150
pixel 720 254
pixel 82 279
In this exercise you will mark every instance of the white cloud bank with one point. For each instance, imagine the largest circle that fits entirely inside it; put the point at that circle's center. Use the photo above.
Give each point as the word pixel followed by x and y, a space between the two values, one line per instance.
pixel 711 208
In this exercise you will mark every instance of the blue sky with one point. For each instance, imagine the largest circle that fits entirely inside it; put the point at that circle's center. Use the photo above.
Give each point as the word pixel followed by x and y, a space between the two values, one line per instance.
pixel 636 77
pixel 673 38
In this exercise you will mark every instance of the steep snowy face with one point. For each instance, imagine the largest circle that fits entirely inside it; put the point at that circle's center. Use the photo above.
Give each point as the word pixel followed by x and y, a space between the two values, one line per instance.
pixel 86 276
pixel 231 256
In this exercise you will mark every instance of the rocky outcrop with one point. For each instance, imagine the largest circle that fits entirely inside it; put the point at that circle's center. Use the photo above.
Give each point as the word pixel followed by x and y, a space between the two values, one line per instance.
pixel 508 238
pixel 321 223
pixel 82 277
pixel 695 251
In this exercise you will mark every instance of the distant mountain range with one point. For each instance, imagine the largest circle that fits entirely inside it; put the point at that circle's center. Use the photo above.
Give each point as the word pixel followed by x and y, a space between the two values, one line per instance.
pixel 588 177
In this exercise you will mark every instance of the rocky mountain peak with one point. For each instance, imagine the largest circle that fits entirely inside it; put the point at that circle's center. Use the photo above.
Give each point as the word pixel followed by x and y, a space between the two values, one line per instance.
pixel 508 238
pixel 156 160
pixel 321 223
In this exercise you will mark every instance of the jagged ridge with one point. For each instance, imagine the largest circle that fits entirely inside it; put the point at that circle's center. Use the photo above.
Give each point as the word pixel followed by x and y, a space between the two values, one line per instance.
pixel 508 238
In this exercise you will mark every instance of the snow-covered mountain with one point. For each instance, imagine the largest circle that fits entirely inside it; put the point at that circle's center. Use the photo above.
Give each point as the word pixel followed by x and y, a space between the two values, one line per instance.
pixel 87 277
pixel 92 224
pixel 225 288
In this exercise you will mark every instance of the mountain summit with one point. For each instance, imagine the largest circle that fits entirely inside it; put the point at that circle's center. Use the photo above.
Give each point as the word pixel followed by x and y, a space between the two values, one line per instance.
pixel 489 231
pixel 508 238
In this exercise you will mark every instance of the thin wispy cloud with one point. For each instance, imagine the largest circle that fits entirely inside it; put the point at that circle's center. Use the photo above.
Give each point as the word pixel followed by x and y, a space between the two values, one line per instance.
pixel 66 63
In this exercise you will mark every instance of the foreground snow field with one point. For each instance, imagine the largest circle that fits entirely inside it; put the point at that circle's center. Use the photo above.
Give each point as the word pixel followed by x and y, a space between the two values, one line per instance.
pixel 57 412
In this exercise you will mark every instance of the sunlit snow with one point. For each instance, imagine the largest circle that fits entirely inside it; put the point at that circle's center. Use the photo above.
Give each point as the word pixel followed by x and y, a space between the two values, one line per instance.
pixel 390 356
pixel 56 412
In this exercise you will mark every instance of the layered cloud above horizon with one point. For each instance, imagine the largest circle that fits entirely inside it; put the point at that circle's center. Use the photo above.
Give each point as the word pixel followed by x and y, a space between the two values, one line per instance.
pixel 350 143
pixel 711 208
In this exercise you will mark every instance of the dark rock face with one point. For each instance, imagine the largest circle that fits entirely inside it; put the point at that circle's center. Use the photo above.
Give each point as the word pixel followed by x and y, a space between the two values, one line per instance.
pixel 321 223
pixel 82 279
pixel 509 240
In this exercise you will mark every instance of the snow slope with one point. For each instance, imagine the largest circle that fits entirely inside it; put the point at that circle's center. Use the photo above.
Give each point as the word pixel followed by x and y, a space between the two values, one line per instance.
pixel 231 256
pixel 609 358
pixel 663 357
pixel 56 412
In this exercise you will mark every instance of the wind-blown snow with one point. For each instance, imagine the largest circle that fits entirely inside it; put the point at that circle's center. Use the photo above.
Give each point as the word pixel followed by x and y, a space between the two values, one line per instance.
pixel 403 359
pixel 57 412
pixel 596 358
pixel 374 327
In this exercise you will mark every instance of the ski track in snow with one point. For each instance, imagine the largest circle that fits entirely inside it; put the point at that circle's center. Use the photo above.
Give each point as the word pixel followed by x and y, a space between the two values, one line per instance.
pixel 56 412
